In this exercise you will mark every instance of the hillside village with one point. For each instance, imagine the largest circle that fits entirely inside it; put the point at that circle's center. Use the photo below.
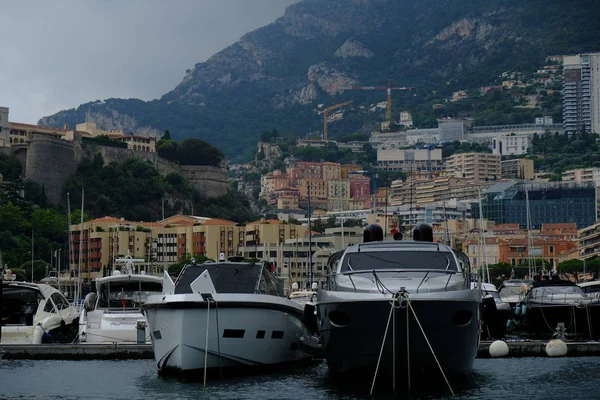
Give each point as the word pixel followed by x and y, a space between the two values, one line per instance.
pixel 462 177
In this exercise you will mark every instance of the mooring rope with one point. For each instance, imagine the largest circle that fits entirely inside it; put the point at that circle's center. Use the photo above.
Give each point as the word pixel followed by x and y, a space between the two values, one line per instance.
pixel 387 328
pixel 218 339
pixel 428 344
pixel 405 296
pixel 206 345
pixel 394 345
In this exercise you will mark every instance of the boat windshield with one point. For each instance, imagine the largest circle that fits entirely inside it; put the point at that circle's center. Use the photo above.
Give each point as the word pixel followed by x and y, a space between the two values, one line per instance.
pixel 19 305
pixel 378 260
pixel 591 289
pixel 506 291
pixel 555 290
pixel 127 294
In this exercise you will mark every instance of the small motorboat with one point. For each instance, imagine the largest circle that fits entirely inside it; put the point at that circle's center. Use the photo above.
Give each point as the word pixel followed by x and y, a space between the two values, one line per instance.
pixel 112 313
pixel 36 313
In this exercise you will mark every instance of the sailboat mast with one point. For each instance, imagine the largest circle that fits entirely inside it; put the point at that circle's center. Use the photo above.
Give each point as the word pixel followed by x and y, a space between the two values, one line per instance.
pixel 80 249
pixel 447 235
pixel 32 232
pixel 310 268
pixel 69 234
pixel 529 241
pixel 486 271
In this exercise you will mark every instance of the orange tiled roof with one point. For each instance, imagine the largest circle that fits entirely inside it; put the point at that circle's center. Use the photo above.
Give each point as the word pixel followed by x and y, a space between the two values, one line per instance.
pixel 265 221
pixel 109 219
pixel 218 221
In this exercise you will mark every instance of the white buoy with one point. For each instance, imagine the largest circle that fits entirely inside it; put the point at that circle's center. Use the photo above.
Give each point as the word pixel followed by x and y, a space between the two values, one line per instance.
pixel 315 286
pixel 294 286
pixel 498 348
pixel 556 348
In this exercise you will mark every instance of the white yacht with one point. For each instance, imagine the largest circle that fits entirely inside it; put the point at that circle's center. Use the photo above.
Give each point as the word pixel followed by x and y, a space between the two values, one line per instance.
pixel 380 290
pixel 36 313
pixel 112 313
pixel 224 317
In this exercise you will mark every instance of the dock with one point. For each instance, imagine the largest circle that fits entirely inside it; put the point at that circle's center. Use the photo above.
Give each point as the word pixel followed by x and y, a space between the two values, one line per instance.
pixel 537 348
pixel 131 351
pixel 88 351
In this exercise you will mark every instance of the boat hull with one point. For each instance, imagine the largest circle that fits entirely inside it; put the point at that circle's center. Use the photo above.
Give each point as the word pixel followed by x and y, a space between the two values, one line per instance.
pixel 352 345
pixel 541 320
pixel 241 337
pixel 101 327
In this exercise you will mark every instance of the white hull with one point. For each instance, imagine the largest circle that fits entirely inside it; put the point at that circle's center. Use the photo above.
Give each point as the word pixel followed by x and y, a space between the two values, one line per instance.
pixel 250 333
pixel 99 326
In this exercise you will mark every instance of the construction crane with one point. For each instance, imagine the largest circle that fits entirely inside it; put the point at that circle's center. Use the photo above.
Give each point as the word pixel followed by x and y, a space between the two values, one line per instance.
pixel 326 111
pixel 388 88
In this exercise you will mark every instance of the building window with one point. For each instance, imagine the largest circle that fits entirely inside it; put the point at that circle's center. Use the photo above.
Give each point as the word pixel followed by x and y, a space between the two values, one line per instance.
pixel 551 249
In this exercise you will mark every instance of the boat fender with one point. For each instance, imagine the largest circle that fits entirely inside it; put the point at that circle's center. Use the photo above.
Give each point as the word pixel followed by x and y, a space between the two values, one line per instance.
pixel 524 310
pixel 556 348
pixel 38 332
pixel 498 348
pixel 508 323
pixel 517 309
pixel 46 338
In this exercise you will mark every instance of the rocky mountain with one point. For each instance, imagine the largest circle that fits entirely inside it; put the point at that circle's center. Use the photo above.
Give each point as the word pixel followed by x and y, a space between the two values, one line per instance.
pixel 275 76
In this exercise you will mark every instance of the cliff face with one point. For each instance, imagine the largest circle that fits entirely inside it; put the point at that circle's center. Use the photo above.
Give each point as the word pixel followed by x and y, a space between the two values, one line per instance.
pixel 275 76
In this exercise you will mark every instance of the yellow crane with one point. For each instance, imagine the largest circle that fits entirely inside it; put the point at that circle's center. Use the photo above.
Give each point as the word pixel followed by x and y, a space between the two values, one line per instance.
pixel 326 111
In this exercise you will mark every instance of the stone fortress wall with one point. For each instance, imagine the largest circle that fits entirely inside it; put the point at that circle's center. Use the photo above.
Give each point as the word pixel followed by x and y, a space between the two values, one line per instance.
pixel 51 161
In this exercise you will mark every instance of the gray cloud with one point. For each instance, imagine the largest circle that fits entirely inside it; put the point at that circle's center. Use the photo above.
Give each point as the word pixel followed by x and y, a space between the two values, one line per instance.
pixel 57 55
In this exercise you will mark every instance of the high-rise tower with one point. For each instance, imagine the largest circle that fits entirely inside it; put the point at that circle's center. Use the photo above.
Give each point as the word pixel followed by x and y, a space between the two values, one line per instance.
pixel 581 93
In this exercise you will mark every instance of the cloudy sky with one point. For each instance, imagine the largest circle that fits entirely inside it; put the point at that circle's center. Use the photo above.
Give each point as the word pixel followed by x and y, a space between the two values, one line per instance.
pixel 55 55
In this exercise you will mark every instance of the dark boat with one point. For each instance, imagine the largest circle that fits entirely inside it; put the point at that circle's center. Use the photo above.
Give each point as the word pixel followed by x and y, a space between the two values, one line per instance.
pixel 380 291
pixel 557 307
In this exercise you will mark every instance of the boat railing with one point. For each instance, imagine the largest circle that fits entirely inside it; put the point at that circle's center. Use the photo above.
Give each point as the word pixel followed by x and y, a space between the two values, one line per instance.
pixel 425 277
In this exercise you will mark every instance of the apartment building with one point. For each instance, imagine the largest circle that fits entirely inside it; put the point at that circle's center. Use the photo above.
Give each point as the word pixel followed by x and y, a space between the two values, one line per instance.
pixel 517 168
pixel 331 171
pixel 475 167
pixel 347 170
pixel 516 249
pixel 430 191
pixel 511 144
pixel 360 187
pixel 302 170
pixel 286 198
pixel 581 93
pixel 589 241
pixel 166 242
pixel 271 182
pixel 582 175
pixel 409 160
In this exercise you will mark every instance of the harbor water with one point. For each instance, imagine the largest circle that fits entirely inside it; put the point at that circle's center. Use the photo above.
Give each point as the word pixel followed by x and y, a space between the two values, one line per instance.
pixel 517 378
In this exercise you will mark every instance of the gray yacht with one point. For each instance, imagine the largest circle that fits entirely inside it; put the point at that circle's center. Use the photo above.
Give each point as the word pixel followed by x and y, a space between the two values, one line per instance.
pixel 394 307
